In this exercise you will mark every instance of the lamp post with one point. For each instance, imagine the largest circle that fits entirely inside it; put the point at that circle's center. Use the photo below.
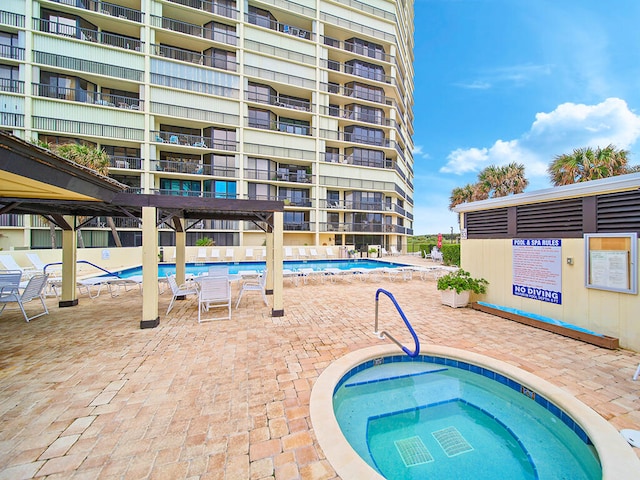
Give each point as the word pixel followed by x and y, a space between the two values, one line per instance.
pixel 451 234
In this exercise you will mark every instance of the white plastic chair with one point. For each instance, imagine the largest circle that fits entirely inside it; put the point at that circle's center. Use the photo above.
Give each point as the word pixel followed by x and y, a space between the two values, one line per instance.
pixel 34 289
pixel 254 286
pixel 302 252
pixel 179 290
pixel 39 265
pixel 10 264
pixel 330 253
pixel 248 253
pixel 288 253
pixel 215 254
pixel 215 292
pixel 229 254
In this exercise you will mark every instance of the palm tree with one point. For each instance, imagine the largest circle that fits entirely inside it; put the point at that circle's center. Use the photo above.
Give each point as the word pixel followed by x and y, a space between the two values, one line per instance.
pixel 512 180
pixel 585 164
pixel 461 195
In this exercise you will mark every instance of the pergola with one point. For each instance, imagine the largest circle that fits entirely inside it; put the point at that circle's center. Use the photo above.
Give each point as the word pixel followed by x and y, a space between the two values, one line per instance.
pixel 33 180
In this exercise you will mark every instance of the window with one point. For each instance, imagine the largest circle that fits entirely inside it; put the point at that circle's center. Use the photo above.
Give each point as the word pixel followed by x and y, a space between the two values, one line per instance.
pixel 296 220
pixel 221 32
pixel 222 138
pixel 9 46
pixel 333 87
pixel 363 47
pixel 365 92
pixel 261 191
pixel 221 165
pixel 371 136
pixel 260 17
pixel 257 92
pixel 364 200
pixel 333 199
pixel 332 154
pixel 291 125
pixel 186 188
pixel 365 157
pixel 220 188
pixel 365 69
pixel 259 118
pixel 219 58
pixel 9 79
pixel 365 113
pixel 260 169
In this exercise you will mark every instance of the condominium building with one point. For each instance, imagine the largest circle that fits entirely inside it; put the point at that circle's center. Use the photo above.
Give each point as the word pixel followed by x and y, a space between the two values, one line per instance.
pixel 307 101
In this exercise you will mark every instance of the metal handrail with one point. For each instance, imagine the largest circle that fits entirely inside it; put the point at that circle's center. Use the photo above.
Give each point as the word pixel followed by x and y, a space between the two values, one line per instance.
pixel 82 261
pixel 382 334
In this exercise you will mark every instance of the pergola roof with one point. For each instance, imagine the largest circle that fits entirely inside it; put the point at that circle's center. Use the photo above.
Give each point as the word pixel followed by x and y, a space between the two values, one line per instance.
pixel 36 181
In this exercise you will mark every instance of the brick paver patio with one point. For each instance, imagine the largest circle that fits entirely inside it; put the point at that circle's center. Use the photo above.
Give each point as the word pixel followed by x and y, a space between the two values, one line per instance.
pixel 84 393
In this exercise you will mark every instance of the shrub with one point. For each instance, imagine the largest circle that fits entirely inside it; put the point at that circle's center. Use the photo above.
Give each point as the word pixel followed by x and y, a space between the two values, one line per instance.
pixel 205 242
pixel 461 281
pixel 451 254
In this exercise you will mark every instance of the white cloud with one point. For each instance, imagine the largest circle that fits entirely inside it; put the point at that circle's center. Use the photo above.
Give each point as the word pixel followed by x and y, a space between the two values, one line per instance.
pixel 419 153
pixel 567 127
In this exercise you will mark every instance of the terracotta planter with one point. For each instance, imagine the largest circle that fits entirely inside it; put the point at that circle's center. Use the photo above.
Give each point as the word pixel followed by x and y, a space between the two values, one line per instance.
pixel 454 299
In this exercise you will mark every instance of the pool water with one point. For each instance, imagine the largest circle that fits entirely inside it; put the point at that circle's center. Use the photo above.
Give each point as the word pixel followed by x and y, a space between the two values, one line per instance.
pixel 235 267
pixel 431 419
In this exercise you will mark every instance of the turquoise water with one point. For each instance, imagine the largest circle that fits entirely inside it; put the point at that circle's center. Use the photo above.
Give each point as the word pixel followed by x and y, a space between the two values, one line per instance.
pixel 417 419
pixel 235 267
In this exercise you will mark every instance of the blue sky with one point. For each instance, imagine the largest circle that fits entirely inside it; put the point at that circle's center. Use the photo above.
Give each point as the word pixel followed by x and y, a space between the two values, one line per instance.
pixel 499 81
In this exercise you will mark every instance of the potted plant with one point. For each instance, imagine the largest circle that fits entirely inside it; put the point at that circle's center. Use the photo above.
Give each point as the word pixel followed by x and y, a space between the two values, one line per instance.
pixel 457 286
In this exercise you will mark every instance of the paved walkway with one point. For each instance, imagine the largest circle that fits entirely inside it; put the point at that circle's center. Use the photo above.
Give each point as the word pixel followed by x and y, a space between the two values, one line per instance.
pixel 84 393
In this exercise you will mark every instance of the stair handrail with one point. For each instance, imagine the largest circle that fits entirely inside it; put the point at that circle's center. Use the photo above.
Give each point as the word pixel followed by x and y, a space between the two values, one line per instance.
pixel 383 334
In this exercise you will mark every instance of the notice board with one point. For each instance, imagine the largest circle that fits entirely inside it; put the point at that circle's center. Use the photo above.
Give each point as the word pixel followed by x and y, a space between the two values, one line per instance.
pixel 611 262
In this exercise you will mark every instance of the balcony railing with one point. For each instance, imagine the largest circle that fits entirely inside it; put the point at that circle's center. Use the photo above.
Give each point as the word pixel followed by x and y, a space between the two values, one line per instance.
pixel 359 161
pixel 358 49
pixel 190 56
pixel 355 138
pixel 12 52
pixel 358 71
pixel 94 36
pixel 373 118
pixel 106 8
pixel 296 226
pixel 128 163
pixel 364 227
pixel 193 30
pixel 266 22
pixel 11 119
pixel 13 86
pixel 279 101
pixel 367 95
pixel 199 141
pixel 195 168
pixel 351 205
pixel 84 96
pixel 279 126
pixel 11 19
pixel 11 220
pixel 191 193
pixel 288 201
pixel 299 176
pixel 213 7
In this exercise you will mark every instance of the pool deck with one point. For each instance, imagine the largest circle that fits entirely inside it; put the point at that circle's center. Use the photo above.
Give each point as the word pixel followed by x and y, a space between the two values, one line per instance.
pixel 86 394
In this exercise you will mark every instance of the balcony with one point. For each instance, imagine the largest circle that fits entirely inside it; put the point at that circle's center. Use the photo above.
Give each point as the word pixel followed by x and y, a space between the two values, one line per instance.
pixel 127 163
pixel 105 8
pixel 355 138
pixel 195 168
pixel 304 202
pixel 193 30
pixel 11 52
pixel 279 126
pixel 218 61
pixel 12 86
pixel 363 227
pixel 296 226
pixel 84 96
pixel 11 19
pixel 266 22
pixel 375 96
pixel 361 161
pixel 376 118
pixel 216 8
pixel 279 101
pixel 182 139
pixel 93 36
pixel 358 49
pixel 358 71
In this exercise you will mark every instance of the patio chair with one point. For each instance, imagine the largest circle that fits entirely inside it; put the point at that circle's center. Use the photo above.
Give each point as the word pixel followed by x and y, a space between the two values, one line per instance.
pixel 314 253
pixel 10 281
pixel 248 253
pixel 254 286
pixel 394 251
pixel 34 289
pixel 179 290
pixel 215 254
pixel 228 255
pixel 39 265
pixel 202 255
pixel 330 253
pixel 173 139
pixel 288 253
pixel 302 253
pixel 10 264
pixel 218 271
pixel 215 292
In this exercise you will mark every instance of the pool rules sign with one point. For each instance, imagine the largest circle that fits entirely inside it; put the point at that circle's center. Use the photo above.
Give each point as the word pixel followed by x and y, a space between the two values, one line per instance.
pixel 537 269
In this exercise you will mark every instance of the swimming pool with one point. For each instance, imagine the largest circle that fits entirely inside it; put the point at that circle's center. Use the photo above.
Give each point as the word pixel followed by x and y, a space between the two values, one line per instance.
pixel 422 434
pixel 235 267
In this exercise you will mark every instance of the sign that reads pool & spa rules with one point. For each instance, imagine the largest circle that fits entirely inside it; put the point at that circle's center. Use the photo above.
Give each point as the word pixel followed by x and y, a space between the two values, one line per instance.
pixel 537 269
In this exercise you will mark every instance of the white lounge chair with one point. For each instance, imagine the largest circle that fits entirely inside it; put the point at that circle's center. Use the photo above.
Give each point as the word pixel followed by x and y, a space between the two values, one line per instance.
pixel 34 290
pixel 288 253
pixel 215 292
pixel 330 253
pixel 228 255
pixel 215 254
pixel 248 254
pixel 394 251
pixel 179 290
pixel 39 265
pixel 202 255
pixel 254 286
pixel 302 253
pixel 314 253
pixel 10 264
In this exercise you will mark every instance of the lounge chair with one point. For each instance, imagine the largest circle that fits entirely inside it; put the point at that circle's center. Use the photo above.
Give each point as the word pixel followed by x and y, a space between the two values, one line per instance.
pixel 34 290
pixel 302 253
pixel 202 255
pixel 288 253
pixel 248 254
pixel 254 286
pixel 180 290
pixel 384 252
pixel 218 271
pixel 215 292
pixel 215 254
pixel 10 264
pixel 330 253
pixel 314 253
pixel 394 251
pixel 116 284
pixel 86 285
pixel 39 265
pixel 228 255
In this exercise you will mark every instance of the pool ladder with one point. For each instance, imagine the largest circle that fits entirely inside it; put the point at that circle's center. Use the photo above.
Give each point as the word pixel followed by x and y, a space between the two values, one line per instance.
pixel 383 334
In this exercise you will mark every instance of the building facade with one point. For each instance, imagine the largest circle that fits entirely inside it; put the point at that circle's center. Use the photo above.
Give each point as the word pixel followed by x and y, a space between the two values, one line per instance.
pixel 308 102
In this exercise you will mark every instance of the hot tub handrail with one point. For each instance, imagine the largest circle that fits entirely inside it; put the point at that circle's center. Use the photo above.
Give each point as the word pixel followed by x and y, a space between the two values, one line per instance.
pixel 382 334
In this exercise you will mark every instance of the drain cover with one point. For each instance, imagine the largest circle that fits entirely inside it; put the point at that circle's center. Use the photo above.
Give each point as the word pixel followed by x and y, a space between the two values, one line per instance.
pixel 452 442
pixel 413 451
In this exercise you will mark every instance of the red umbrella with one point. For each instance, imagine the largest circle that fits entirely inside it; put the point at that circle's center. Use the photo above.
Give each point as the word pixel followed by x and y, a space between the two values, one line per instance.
pixel 439 240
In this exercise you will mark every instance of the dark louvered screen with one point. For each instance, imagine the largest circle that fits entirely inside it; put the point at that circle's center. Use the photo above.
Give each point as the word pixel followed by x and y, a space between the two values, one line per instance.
pixel 618 212
pixel 487 223
pixel 561 218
